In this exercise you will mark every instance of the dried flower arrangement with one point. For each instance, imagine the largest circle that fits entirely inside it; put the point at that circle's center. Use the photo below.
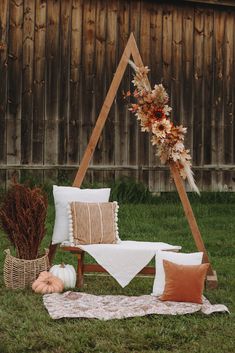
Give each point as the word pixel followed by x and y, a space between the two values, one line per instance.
pixel 22 218
pixel 152 110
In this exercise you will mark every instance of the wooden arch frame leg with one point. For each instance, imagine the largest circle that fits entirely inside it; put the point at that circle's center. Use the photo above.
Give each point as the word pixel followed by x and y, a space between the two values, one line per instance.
pixel 212 281
pixel 131 49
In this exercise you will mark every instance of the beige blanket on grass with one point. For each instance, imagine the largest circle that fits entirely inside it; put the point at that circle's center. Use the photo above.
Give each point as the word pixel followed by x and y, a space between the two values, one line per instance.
pixel 107 307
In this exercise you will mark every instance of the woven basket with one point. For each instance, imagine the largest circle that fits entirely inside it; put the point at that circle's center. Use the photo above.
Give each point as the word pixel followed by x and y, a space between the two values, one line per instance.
pixel 20 273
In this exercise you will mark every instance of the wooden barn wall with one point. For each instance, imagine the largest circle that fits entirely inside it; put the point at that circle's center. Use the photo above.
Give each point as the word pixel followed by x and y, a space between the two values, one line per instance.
pixel 57 59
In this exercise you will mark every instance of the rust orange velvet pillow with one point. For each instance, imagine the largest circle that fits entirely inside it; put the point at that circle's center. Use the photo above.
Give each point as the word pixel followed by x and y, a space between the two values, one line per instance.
pixel 184 283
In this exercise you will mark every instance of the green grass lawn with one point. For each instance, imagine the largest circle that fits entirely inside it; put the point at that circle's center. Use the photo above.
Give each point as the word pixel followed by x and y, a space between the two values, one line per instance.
pixel 25 325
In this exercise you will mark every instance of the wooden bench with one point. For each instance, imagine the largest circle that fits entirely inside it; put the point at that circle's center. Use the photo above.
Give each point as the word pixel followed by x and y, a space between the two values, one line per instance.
pixel 82 267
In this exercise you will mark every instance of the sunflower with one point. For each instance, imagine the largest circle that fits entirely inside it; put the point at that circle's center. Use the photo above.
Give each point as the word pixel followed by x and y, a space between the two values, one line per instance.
pixel 161 128
pixel 159 114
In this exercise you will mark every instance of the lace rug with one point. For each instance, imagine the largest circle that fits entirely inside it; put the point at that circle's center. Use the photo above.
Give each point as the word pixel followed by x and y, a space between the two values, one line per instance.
pixel 107 307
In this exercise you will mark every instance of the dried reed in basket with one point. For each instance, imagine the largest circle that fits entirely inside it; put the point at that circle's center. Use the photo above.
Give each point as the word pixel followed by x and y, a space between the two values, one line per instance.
pixel 22 218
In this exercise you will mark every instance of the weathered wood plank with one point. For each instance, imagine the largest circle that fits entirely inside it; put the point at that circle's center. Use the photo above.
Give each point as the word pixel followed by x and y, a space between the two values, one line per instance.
pixel 233 95
pixel 156 19
pixel 158 167
pixel 14 76
pixel 88 116
pixel 100 71
pixel 167 34
pixel 206 178
pixel 132 128
pixel 63 114
pixel 198 114
pixel 111 65
pixel 229 87
pixel 154 30
pixel 52 85
pixel 156 66
pixel 123 153
pixel 39 82
pixel 167 46
pixel 75 81
pixel 176 78
pixel 145 148
pixel 187 69
pixel 156 76
pixel 228 105
pixel 218 99
pixel 4 21
pixel 99 83
pixel 53 80
pixel 27 81
pixel 3 178
pixel 208 84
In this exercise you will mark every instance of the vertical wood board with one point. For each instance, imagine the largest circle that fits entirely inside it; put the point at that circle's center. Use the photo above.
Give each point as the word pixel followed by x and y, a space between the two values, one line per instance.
pixel 4 23
pixel 27 81
pixel 39 83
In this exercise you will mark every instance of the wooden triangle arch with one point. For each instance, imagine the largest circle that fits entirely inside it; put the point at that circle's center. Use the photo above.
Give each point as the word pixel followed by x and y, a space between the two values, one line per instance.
pixel 131 49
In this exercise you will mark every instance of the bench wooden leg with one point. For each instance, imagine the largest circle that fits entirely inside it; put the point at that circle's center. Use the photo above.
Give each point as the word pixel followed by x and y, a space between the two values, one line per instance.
pixel 212 281
pixel 80 270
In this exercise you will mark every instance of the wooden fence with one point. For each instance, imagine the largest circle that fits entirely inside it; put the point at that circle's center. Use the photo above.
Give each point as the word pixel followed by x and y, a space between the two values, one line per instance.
pixel 57 59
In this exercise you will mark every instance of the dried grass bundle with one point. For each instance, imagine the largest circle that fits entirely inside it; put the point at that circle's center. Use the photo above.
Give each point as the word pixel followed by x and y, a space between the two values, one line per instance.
pixel 22 218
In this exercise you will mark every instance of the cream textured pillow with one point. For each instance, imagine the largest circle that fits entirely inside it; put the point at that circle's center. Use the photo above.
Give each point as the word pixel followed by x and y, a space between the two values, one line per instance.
pixel 93 223
pixel 65 194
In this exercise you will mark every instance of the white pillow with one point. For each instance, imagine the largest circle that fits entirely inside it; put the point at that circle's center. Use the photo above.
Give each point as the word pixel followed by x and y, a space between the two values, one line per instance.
pixel 65 194
pixel 177 258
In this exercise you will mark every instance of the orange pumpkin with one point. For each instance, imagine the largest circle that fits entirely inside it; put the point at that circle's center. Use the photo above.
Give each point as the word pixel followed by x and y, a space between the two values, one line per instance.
pixel 47 283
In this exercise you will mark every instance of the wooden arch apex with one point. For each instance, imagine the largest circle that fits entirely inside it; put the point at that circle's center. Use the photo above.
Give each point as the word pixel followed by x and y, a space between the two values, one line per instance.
pixel 131 49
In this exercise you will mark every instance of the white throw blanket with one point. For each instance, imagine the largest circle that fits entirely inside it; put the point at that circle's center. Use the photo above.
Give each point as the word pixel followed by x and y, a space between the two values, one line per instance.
pixel 123 261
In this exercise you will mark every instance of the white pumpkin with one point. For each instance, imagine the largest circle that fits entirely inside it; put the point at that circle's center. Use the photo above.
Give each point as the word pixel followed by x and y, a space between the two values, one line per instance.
pixel 66 273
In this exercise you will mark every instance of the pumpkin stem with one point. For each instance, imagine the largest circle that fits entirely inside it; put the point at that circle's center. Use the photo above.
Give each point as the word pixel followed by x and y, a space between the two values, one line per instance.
pixel 62 265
